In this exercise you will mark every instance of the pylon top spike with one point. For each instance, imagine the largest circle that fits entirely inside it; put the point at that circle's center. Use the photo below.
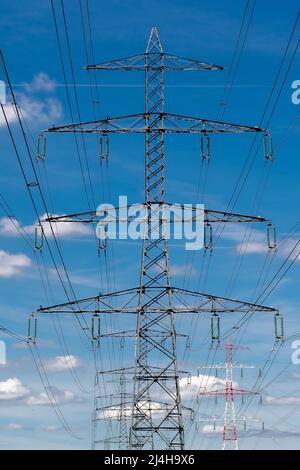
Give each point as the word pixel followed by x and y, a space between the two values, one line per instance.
pixel 154 44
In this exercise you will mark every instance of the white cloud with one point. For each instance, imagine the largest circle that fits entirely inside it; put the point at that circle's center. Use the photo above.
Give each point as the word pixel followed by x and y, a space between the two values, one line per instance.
pixel 35 110
pixel 10 114
pixel 282 401
pixel 52 428
pixel 113 412
pixel 44 112
pixel 260 247
pixel 210 429
pixel 40 82
pixel 13 427
pixel 9 226
pixel 61 397
pixel 255 241
pixel 61 363
pixel 182 270
pixel 252 248
pixel 12 389
pixel 62 229
pixel 191 386
pixel 13 264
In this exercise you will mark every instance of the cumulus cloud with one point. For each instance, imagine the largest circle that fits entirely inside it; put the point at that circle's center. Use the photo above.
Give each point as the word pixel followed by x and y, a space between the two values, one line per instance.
pixel 40 82
pixel 191 386
pixel 10 114
pixel 61 397
pixel 211 429
pixel 12 427
pixel 63 229
pixel 44 112
pixel 13 264
pixel 113 412
pixel 52 428
pixel 12 389
pixel 182 270
pixel 61 363
pixel 8 227
pixel 35 110
pixel 282 401
pixel 255 241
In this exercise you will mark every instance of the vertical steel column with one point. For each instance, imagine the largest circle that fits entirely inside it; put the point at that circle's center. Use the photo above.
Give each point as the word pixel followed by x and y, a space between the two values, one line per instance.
pixel 123 434
pixel 155 424
pixel 229 430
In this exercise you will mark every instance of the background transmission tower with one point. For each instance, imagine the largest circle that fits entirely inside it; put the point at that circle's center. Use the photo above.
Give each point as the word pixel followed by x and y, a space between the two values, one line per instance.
pixel 230 439
pixel 155 300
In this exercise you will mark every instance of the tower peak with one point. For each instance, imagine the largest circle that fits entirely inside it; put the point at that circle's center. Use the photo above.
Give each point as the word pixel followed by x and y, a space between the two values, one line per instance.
pixel 154 44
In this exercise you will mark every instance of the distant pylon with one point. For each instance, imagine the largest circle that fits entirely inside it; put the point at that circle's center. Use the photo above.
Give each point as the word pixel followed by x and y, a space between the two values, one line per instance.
pixel 230 439
pixel 123 431
pixel 229 431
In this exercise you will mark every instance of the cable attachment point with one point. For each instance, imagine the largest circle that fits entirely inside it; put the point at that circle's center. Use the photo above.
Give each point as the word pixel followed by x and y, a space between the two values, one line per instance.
pixel 215 327
pixel 205 146
pixel 271 237
pixel 32 328
pixel 208 237
pixel 41 148
pixel 268 147
pixel 104 147
pixel 279 330
pixel 38 237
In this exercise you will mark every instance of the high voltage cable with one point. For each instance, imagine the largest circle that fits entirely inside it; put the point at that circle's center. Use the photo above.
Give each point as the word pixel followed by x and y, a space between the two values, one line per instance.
pixel 77 101
pixel 69 98
pixel 48 390
pixel 27 183
pixel 232 204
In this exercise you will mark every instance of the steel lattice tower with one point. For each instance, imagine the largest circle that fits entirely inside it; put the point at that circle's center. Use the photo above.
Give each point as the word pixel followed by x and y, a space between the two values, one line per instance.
pixel 150 349
pixel 230 441
pixel 229 430
pixel 156 422
pixel 123 431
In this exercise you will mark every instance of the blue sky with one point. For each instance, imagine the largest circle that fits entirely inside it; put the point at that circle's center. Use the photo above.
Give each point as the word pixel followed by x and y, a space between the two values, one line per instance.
pixel 199 29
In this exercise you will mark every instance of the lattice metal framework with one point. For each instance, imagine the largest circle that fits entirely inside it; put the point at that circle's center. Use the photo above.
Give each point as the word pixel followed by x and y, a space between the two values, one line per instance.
pixel 155 300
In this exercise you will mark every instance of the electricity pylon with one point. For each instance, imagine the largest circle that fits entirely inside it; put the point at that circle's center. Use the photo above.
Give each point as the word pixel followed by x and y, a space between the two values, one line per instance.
pixel 119 411
pixel 230 439
pixel 155 300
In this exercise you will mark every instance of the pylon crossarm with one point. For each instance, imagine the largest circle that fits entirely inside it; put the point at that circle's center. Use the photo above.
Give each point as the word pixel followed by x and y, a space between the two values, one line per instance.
pixel 237 391
pixel 196 302
pixel 224 391
pixel 160 122
pixel 223 366
pixel 220 216
pixel 170 62
pixel 133 62
pixel 187 302
pixel 115 215
pixel 113 406
pixel 179 123
pixel 130 370
pixel 132 334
